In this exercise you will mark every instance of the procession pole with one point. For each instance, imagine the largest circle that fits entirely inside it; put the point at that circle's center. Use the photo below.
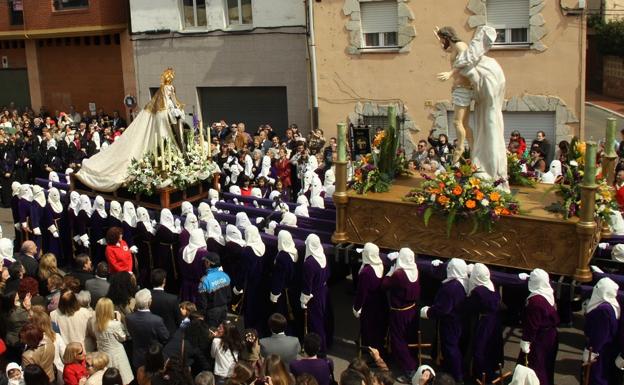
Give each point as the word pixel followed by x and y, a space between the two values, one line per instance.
pixel 609 160
pixel 586 227
pixel 340 194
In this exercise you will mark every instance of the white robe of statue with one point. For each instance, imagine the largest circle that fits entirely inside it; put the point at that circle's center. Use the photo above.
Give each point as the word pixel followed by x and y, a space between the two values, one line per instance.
pixel 489 152
pixel 106 171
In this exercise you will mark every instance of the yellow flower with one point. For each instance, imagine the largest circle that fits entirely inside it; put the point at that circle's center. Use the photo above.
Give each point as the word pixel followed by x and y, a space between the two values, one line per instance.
pixel 474 182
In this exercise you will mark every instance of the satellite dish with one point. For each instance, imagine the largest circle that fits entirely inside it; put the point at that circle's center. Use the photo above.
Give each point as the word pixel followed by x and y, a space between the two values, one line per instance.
pixel 130 101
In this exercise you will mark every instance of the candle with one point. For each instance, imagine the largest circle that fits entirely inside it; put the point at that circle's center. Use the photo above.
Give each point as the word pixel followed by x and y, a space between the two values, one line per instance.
pixel 611 133
pixel 155 150
pixel 589 178
pixel 169 157
pixel 342 142
pixel 161 146
pixel 209 143
pixel 201 138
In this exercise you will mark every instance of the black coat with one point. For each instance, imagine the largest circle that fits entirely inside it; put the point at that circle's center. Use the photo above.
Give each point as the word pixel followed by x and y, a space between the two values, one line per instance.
pixel 145 328
pixel 30 264
pixel 167 307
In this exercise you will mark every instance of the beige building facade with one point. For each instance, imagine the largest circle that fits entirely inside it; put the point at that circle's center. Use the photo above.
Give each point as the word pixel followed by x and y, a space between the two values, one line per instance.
pixel 372 53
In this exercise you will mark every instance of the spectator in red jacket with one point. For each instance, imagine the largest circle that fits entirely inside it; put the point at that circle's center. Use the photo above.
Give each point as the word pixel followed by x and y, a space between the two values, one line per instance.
pixel 619 188
pixel 118 255
pixel 515 137
pixel 75 367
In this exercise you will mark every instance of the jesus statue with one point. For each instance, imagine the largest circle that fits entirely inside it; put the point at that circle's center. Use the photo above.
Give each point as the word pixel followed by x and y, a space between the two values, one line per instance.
pixel 480 78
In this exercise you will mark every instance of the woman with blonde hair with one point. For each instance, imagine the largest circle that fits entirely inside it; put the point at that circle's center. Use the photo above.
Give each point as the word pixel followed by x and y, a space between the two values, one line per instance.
pixel 40 318
pixel 47 267
pixel 276 369
pixel 97 362
pixel 75 367
pixel 109 333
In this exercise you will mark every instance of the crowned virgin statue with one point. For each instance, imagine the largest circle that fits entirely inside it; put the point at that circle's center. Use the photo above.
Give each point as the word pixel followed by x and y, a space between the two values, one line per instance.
pixel 160 121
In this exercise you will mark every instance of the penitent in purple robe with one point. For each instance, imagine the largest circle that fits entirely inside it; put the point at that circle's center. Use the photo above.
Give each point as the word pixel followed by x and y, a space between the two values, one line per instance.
pixel 601 329
pixel 315 283
pixel 51 244
pixel 23 212
pixel 231 260
pixel 370 298
pixel 447 309
pixel 98 227
pixel 284 284
pixel 191 274
pixel 403 320
pixel 37 220
pixel 145 257
pixel 256 296
pixel 83 221
pixel 483 307
pixel 540 329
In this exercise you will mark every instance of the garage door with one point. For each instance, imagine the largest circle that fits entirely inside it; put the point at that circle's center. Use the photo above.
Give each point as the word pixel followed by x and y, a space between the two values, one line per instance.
pixel 14 87
pixel 528 123
pixel 251 105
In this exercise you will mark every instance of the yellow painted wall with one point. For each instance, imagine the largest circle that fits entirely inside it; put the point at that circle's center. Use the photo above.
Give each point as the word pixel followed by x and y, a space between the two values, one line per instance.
pixel 345 79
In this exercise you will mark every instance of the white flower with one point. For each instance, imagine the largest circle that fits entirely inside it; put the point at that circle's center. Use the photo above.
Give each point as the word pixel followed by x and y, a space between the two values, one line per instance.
pixel 485 202
pixel 573 163
pixel 433 197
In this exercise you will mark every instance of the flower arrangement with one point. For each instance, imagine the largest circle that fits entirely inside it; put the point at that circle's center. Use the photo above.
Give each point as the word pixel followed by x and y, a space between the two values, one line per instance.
pixel 570 190
pixel 517 171
pixel 145 176
pixel 459 193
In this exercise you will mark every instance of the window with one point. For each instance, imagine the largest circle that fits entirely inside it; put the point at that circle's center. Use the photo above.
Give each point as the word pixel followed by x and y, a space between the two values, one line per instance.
pixel 16 12
pixel 194 13
pixel 380 24
pixel 239 12
pixel 511 20
pixel 60 5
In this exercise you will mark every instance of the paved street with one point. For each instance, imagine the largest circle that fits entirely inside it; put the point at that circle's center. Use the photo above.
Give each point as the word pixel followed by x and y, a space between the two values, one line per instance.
pixel 595 122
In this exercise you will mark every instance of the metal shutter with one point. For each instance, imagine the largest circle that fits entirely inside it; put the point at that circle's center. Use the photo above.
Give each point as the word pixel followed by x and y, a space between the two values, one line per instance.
pixel 251 105
pixel 528 123
pixel 379 16
pixel 508 13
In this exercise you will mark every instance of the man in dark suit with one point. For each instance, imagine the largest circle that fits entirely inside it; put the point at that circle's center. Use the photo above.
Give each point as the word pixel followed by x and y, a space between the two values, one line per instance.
pixel 83 270
pixel 26 257
pixel 279 343
pixel 164 304
pixel 98 286
pixel 144 328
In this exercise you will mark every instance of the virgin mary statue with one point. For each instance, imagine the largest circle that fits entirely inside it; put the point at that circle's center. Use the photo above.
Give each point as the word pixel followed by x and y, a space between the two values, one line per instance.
pixel 107 170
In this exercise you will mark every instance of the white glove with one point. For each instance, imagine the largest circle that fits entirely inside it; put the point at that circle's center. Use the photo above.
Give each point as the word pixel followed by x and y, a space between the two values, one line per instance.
pixel 525 346
pixel 586 357
pixel 393 256
pixel 236 291
pixel 37 231
pixel 52 229
pixel 423 312
pixel 84 239
pixel 255 203
pixel 76 238
pixel 470 267
pixel 357 313
pixel 304 306
pixel 391 271
pixel 603 245
pixel 304 299
pixel 24 225
pixel 134 249
pixel 101 241
pixel 55 234
pixel 17 226
pixel 436 262
pixel 523 276
pixel 235 201
pixel 274 297
pixel 177 222
pixel 86 244
pixel 596 269
pixel 154 223
pixel 619 362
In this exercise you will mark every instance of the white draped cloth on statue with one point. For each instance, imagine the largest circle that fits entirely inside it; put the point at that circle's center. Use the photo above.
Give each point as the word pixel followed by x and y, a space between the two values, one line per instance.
pixel 107 170
pixel 489 152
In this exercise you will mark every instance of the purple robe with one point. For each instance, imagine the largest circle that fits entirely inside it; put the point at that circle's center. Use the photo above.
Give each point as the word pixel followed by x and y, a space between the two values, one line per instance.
pixel 82 227
pixel 184 237
pixel 601 329
pixel 145 256
pixel 98 225
pixel 165 255
pixel 255 301
pixel 231 260
pixel 129 233
pixel 51 244
pixel 371 300
pixel 15 214
pixel 283 282
pixel 191 274
pixel 403 320
pixel 23 212
pixel 447 309
pixel 315 283
pixel 483 306
pixel 214 246
pixel 540 329
pixel 37 220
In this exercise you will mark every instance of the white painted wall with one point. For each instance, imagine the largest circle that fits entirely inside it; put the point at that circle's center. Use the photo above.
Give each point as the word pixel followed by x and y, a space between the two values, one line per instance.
pixel 150 15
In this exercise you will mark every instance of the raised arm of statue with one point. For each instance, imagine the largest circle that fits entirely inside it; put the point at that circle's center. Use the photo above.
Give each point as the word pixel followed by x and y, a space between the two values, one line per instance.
pixel 480 44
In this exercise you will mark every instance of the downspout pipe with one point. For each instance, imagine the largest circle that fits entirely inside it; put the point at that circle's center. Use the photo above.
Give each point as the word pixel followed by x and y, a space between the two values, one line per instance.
pixel 313 68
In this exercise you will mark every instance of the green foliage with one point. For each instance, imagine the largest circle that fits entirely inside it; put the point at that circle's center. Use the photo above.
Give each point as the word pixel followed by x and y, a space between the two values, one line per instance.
pixel 610 37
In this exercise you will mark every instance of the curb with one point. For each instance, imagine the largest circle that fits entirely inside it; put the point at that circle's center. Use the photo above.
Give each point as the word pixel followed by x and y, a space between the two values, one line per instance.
pixel 604 109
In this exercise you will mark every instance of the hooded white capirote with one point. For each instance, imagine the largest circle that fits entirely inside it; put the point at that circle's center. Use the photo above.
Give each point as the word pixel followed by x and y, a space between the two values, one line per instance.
pixel 314 248
pixel 539 284
pixel 196 242
pixel 370 257
pixel 605 291
pixel 286 244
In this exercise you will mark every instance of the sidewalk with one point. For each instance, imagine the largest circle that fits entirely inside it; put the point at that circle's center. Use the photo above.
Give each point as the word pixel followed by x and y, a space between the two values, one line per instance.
pixel 607 103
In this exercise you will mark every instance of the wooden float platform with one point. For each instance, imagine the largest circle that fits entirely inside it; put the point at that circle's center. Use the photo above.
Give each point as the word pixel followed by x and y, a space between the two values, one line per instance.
pixel 536 238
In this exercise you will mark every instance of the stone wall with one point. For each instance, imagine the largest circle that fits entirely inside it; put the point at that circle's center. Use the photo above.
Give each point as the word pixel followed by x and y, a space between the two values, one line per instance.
pixel 613 76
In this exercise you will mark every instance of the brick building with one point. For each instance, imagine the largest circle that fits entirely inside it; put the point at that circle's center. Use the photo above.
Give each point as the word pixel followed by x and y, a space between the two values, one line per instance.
pixel 44 41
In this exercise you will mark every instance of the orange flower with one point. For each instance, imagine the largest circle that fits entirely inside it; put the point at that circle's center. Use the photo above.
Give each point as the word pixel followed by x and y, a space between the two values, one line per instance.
pixel 479 195
pixel 457 190
pixel 499 210
pixel 505 211
pixel 443 200
pixel 441 185
pixel 471 204
pixel 495 196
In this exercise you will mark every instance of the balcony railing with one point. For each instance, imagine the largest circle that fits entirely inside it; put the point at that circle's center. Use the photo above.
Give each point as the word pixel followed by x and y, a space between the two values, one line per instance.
pixel 16 13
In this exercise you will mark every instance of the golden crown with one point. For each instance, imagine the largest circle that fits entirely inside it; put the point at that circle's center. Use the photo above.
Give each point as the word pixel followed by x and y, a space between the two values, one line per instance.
pixel 167 77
